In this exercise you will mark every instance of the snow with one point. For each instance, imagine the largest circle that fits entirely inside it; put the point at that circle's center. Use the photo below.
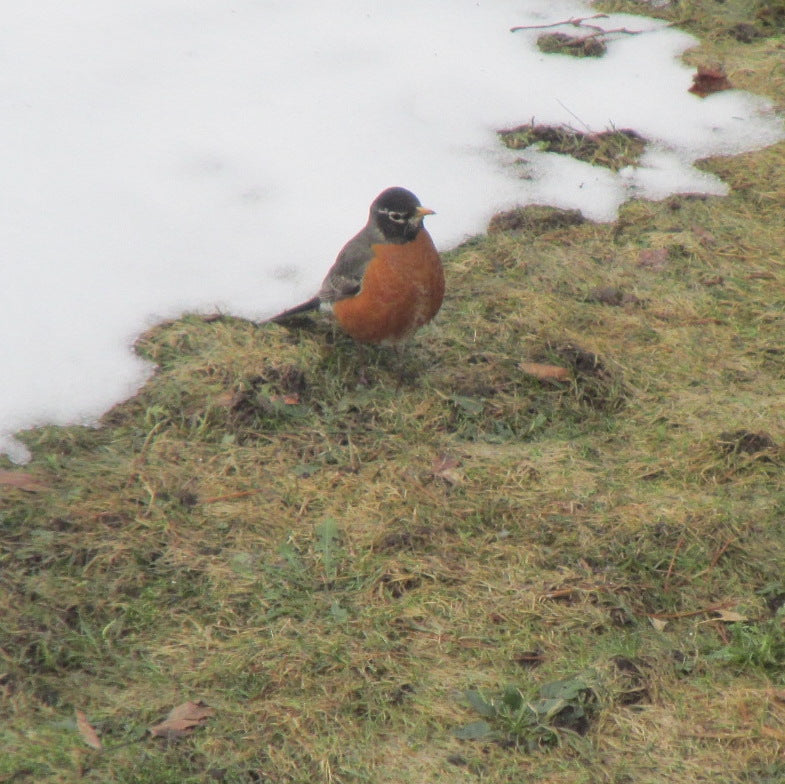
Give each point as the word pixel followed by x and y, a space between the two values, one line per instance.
pixel 165 156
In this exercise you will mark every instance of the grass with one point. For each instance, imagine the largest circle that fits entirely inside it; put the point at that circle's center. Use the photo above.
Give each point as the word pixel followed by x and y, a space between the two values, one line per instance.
pixel 611 149
pixel 347 553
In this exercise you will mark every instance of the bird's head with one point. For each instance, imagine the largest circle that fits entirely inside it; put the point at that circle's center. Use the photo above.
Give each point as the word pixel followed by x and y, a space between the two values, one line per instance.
pixel 398 214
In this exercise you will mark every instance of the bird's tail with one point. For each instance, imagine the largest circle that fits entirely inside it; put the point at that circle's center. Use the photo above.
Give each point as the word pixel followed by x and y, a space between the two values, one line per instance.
pixel 304 307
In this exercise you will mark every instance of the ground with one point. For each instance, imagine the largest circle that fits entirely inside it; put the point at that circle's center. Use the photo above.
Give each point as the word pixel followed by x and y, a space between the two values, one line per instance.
pixel 444 563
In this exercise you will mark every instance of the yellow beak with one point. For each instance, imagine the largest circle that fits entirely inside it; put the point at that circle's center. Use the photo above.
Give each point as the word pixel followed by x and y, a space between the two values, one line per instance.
pixel 423 211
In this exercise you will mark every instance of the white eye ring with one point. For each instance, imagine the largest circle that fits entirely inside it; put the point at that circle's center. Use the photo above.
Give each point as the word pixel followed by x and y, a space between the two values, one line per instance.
pixel 397 217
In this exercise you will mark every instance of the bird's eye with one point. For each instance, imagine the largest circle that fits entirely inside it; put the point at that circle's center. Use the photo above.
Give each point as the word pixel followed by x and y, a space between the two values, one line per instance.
pixel 397 217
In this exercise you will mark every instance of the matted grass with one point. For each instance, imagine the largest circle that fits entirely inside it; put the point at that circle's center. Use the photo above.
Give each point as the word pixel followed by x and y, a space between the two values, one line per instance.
pixel 612 149
pixel 339 548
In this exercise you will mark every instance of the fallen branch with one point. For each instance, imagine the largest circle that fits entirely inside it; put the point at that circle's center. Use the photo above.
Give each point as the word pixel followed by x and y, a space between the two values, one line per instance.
pixel 580 22
pixel 574 21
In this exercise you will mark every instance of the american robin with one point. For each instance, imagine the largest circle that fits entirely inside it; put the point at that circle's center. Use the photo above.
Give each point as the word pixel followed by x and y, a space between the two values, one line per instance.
pixel 388 280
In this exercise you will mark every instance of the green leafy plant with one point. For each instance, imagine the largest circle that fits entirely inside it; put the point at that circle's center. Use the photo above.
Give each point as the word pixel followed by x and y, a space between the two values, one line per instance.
pixel 755 645
pixel 533 723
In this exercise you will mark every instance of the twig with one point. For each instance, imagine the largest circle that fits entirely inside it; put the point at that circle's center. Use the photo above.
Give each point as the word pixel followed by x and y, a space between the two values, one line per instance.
pixel 574 21
pixel 714 560
pixel 560 593
pixel 580 22
pixel 721 552
pixel 666 582
pixel 690 613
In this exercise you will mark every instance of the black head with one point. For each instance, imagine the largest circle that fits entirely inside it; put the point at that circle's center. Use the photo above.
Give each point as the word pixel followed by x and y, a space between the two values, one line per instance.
pixel 398 214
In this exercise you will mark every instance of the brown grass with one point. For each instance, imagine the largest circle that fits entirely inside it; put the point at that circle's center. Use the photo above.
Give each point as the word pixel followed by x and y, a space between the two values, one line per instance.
pixel 330 544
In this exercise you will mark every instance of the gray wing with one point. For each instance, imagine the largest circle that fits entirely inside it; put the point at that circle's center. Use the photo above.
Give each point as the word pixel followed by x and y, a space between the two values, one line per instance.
pixel 346 276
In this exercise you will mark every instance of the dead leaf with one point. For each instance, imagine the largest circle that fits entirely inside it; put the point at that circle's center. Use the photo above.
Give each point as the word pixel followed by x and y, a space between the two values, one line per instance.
pixel 545 372
pixel 87 731
pixel 658 623
pixel 446 467
pixel 709 80
pixel 292 399
pixel 22 481
pixel 653 258
pixel 182 719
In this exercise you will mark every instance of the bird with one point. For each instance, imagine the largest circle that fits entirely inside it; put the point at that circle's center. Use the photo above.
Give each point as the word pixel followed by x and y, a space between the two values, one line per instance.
pixel 388 280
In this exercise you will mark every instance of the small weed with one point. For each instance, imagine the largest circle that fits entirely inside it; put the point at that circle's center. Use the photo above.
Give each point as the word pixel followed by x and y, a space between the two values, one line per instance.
pixel 328 545
pixel 531 723
pixel 755 645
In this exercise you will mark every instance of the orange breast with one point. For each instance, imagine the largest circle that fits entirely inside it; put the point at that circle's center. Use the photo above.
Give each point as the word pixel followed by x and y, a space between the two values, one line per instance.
pixel 402 289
